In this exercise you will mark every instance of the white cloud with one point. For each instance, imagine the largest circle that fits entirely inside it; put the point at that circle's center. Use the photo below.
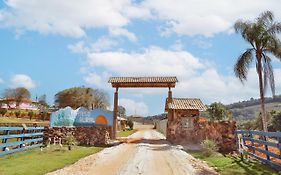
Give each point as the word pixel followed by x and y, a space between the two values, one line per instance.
pixel 123 32
pixel 205 17
pixel 1 81
pixel 202 43
pixel 22 80
pixel 197 78
pixel 78 47
pixel 177 46
pixel 103 43
pixel 152 61
pixel 98 80
pixel 132 107
pixel 69 17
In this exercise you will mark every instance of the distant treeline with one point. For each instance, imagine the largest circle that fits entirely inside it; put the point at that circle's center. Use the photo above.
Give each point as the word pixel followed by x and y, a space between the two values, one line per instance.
pixel 253 102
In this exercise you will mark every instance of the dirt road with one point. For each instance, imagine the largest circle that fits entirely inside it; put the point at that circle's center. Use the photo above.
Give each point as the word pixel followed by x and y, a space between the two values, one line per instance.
pixel 146 153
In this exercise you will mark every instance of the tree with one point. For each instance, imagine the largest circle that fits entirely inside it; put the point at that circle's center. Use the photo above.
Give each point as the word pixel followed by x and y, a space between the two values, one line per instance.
pixel 81 97
pixel 17 94
pixel 30 114
pixel 42 100
pixel 217 111
pixel 100 99
pixel 262 36
pixel 276 121
pixel 121 111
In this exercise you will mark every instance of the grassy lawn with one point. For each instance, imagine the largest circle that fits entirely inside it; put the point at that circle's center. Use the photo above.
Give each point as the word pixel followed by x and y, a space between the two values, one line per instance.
pixel 125 133
pixel 36 162
pixel 231 165
pixel 21 120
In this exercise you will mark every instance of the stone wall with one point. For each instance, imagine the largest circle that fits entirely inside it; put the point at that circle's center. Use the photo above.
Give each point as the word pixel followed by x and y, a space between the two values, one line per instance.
pixel 90 135
pixel 193 130
pixel 161 126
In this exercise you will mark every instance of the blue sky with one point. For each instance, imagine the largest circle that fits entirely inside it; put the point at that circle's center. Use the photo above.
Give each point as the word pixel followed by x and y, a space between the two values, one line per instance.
pixel 49 46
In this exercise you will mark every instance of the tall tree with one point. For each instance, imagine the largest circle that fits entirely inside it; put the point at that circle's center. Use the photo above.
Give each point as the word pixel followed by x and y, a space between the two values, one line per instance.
pixel 100 99
pixel 217 111
pixel 43 100
pixel 17 94
pixel 262 36
pixel 121 111
pixel 81 97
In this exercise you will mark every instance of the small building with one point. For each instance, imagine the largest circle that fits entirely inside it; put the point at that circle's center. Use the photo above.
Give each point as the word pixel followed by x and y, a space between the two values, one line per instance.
pixel 25 104
pixel 181 115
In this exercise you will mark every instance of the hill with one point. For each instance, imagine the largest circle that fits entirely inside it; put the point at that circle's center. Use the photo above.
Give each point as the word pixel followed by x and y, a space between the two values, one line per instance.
pixel 250 109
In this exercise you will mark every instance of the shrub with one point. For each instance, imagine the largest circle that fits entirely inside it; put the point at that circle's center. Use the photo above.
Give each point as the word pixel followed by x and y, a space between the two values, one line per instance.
pixel 17 113
pixel 30 114
pixel 44 115
pixel 70 140
pixel 3 111
pixel 131 124
pixel 209 147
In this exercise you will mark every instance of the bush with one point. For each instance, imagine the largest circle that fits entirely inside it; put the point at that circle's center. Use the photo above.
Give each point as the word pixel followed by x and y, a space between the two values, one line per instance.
pixel 3 111
pixel 131 124
pixel 209 147
pixel 70 140
pixel 30 114
pixel 17 113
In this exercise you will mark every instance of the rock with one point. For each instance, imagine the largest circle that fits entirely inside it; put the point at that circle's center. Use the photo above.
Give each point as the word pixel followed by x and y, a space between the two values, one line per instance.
pixel 92 135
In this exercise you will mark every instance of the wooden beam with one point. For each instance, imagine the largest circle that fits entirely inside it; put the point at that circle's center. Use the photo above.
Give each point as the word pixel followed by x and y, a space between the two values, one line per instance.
pixel 115 112
pixel 143 85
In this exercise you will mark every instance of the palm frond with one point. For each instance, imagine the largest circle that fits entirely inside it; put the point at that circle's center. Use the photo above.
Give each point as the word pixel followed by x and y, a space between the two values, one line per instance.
pixel 273 46
pixel 242 65
pixel 268 74
pixel 265 18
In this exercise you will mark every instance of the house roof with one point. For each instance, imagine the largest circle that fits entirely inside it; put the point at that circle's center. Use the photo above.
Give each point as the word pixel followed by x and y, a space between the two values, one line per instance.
pixel 134 82
pixel 186 103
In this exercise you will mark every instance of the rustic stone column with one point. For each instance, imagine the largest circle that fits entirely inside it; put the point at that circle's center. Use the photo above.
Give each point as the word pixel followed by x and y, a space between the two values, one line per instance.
pixel 170 95
pixel 115 112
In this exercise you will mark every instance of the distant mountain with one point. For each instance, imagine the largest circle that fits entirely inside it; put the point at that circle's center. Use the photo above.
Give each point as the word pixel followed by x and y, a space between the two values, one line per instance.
pixel 250 109
pixel 253 102
pixel 148 119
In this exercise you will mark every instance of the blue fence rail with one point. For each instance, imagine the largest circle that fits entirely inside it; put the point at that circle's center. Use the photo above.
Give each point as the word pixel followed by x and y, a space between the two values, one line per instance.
pixel 258 141
pixel 16 139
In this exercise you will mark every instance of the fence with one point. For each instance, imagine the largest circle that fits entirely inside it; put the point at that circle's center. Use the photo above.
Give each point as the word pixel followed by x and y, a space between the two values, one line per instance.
pixel 16 139
pixel 266 150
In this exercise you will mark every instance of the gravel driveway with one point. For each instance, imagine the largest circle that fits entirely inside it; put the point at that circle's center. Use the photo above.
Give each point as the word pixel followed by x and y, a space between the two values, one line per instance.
pixel 146 154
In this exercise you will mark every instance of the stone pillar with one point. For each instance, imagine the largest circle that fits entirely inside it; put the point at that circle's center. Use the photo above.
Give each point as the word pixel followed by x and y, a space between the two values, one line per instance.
pixel 115 112
pixel 170 115
pixel 170 95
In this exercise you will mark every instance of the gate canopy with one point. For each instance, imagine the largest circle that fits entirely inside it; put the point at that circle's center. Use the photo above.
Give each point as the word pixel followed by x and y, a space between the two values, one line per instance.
pixel 143 82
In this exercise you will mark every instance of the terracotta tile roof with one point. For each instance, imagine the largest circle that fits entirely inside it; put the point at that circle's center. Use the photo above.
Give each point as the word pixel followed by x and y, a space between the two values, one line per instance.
pixel 143 80
pixel 187 103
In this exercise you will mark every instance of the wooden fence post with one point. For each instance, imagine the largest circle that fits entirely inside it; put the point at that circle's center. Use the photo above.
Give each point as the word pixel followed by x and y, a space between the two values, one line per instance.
pixel 5 140
pixel 266 148
pixel 252 143
pixel 279 143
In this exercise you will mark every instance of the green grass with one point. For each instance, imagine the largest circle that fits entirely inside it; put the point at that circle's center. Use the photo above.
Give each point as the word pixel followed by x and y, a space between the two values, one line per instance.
pixel 232 165
pixel 21 120
pixel 125 133
pixel 35 162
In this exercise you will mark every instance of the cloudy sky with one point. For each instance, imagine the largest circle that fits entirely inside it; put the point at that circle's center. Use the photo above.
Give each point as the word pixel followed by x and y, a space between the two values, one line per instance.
pixel 47 46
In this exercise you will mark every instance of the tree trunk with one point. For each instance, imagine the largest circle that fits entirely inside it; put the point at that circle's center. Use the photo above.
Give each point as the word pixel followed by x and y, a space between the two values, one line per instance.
pixel 261 86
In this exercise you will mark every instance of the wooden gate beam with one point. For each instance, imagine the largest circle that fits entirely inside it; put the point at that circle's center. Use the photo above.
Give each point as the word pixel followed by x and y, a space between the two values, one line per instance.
pixel 115 112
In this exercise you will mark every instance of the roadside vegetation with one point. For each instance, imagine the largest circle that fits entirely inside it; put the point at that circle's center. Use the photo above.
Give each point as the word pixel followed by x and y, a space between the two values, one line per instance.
pixel 37 162
pixel 126 133
pixel 22 120
pixel 230 165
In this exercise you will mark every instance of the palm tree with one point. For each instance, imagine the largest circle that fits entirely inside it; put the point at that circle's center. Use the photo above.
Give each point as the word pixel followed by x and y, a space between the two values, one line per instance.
pixel 262 36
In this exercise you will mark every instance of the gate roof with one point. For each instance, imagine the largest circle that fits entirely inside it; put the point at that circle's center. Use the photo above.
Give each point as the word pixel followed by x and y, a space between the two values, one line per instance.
pixel 143 82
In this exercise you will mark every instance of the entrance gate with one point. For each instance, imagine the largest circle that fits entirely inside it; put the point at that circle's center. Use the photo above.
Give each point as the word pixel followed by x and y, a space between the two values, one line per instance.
pixel 139 82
